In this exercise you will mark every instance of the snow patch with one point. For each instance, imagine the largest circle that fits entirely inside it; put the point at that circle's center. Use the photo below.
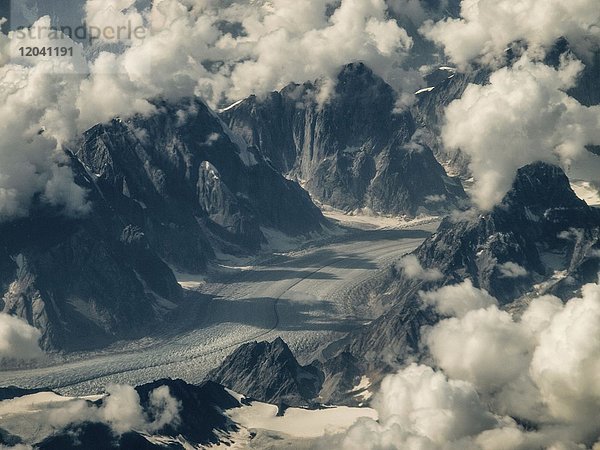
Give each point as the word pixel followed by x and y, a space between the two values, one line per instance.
pixel 189 281
pixel 586 191
pixel 37 402
pixel 361 390
pixel 213 172
pixel 368 219
pixel 231 106
pixel 427 89
pixel 297 422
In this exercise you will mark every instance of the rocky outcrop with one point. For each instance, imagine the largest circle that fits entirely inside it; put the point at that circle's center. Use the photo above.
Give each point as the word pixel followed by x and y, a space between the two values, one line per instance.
pixel 200 421
pixel 164 190
pixel 201 410
pixel 270 373
pixel 540 225
pixel 353 150
pixel 83 282
pixel 540 239
pixel 188 182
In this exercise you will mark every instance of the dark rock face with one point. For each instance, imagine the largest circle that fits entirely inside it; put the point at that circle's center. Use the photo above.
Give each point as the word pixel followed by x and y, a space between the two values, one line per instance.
pixel 587 87
pixel 201 420
pixel 342 373
pixel 8 439
pixel 162 189
pixel 201 412
pixel 541 225
pixel 386 343
pixel 83 282
pixel 185 179
pixel 532 227
pixel 269 372
pixel 353 151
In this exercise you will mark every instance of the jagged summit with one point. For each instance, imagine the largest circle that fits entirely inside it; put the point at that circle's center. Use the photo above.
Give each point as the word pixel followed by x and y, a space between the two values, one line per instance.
pixel 196 418
pixel 541 239
pixel 269 372
pixel 352 150
pixel 168 189
pixel 526 228
pixel 542 186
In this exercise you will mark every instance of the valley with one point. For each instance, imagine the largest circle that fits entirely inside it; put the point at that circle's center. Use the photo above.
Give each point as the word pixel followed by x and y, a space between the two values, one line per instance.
pixel 301 296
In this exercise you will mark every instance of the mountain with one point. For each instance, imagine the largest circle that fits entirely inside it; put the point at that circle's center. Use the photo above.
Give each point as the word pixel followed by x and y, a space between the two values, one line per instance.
pixel 541 239
pixel 165 191
pixel 270 373
pixel 541 225
pixel 353 150
pixel 587 87
pixel 83 282
pixel 197 418
pixel 184 178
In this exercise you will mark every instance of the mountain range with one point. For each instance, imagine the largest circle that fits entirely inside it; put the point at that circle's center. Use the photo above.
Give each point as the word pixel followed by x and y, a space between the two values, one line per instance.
pixel 185 187
pixel 354 151
pixel 172 190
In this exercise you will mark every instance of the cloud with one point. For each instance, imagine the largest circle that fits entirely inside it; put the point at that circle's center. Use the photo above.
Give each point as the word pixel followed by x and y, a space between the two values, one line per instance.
pixel 120 410
pixel 512 270
pixel 164 409
pixel 487 27
pixel 186 51
pixel 523 115
pixel 458 299
pixel 356 31
pixel 470 348
pixel 565 364
pixel 412 269
pixel 541 368
pixel 32 162
pixel 18 339
pixel 421 409
pixel 220 51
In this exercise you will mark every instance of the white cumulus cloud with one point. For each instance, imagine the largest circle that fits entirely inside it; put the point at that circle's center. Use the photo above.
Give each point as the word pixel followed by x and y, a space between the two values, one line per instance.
pixel 512 270
pixel 412 269
pixel 18 339
pixel 523 115
pixel 486 28
pixel 458 299
pixel 496 370
pixel 121 410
